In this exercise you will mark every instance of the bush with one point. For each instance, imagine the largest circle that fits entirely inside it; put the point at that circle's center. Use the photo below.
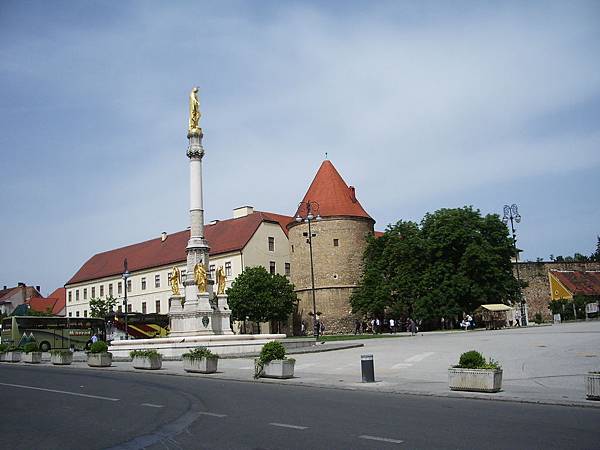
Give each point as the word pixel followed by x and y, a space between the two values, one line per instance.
pixel 199 353
pixel 60 351
pixel 3 348
pixel 99 347
pixel 538 318
pixel 30 347
pixel 144 354
pixel 475 360
pixel 272 350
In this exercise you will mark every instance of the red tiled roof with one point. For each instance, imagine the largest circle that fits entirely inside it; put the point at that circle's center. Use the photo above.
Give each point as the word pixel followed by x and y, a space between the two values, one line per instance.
pixel 223 236
pixel 378 234
pixel 41 304
pixel 579 282
pixel 332 194
pixel 60 295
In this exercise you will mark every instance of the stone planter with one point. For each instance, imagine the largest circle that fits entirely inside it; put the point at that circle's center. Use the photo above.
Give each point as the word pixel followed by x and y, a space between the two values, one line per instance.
pixel 99 359
pixel 12 356
pixel 32 357
pixel 3 357
pixel 592 386
pixel 476 380
pixel 279 368
pixel 147 363
pixel 62 358
pixel 200 365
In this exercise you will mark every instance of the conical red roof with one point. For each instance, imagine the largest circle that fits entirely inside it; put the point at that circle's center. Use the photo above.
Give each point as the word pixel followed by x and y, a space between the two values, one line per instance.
pixel 332 194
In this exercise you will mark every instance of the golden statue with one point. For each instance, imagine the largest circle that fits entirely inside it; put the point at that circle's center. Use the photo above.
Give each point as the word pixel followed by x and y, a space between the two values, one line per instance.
pixel 175 280
pixel 221 280
pixel 194 113
pixel 200 277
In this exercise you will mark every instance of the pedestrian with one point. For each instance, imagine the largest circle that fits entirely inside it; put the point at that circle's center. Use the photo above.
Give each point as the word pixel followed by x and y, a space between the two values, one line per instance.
pixel 378 325
pixel 94 338
pixel 357 326
pixel 373 326
pixel 303 328
pixel 443 322
pixel 392 326
pixel 322 325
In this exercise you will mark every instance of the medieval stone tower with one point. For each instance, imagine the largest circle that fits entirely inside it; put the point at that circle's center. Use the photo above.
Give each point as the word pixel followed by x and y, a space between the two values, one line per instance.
pixel 338 243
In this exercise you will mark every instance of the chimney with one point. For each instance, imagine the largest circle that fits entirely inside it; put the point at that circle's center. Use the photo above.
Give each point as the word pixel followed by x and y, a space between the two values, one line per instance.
pixel 352 193
pixel 38 289
pixel 242 211
pixel 163 236
pixel 20 284
pixel 5 287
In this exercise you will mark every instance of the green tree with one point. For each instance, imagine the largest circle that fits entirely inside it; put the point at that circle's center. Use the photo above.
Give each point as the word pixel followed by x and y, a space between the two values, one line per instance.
pixel 454 261
pixel 259 296
pixel 596 255
pixel 102 307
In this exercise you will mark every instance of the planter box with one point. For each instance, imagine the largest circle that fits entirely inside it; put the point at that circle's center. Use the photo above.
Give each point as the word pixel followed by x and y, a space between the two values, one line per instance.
pixel 32 357
pixel 12 356
pixel 279 368
pixel 476 380
pixel 99 359
pixel 592 386
pixel 200 365
pixel 154 363
pixel 61 359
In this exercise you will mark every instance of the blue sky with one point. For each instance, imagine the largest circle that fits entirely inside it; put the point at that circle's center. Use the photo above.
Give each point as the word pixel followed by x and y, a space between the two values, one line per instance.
pixel 420 105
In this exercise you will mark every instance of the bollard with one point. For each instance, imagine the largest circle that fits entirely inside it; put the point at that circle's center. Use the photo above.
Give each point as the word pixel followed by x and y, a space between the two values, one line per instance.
pixel 367 370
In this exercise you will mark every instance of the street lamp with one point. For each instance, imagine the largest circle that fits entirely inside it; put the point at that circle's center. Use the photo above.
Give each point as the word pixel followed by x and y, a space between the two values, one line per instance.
pixel 311 209
pixel 125 277
pixel 511 214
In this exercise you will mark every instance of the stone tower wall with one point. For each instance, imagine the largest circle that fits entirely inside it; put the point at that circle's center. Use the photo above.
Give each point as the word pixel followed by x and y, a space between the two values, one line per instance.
pixel 337 269
pixel 537 293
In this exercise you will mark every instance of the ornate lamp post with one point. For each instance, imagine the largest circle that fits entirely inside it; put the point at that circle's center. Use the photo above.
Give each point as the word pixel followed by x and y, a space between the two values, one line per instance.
pixel 125 277
pixel 511 214
pixel 312 208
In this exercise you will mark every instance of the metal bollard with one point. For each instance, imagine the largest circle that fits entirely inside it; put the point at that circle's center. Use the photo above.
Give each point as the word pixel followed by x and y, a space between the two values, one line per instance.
pixel 367 369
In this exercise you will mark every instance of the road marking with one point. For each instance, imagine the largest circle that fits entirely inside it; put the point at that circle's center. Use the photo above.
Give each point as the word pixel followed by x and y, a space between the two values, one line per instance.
pixel 152 405
pixel 285 425
pixel 212 414
pixel 77 394
pixel 382 439
pixel 419 357
pixel 401 365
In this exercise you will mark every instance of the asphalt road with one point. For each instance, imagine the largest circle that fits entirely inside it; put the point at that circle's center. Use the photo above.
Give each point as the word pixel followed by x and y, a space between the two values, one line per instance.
pixel 65 408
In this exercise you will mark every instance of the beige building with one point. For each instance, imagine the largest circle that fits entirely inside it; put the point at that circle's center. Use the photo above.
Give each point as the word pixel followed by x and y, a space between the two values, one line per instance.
pixel 250 238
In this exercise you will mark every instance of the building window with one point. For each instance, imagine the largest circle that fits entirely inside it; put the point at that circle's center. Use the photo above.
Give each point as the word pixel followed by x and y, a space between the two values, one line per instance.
pixel 70 314
pixel 128 285
pixel 169 278
pixel 110 290
pixel 85 293
pixel 101 290
pixel 156 281
pixel 157 304
pixel 76 313
pixel 129 307
pixel 70 296
pixel 143 283
pixel 272 267
pixel 211 270
pixel 77 295
pixel 119 288
pixel 228 269
pixel 143 307
pixel 183 275
pixel 336 242
pixel 85 313
pixel 271 244
pixel 287 269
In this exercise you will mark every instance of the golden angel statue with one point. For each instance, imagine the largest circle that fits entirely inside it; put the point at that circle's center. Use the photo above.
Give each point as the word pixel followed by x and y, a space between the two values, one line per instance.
pixel 221 278
pixel 175 280
pixel 194 112
pixel 200 276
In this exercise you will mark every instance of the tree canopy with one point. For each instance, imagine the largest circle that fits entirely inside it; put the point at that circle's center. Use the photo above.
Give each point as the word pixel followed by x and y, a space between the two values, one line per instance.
pixel 453 261
pixel 102 307
pixel 260 296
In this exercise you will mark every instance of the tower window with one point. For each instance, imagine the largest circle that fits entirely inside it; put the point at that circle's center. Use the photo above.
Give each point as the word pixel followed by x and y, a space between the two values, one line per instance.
pixel 336 242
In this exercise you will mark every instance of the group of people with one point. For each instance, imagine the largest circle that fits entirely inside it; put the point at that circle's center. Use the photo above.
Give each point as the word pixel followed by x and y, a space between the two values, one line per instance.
pixel 378 326
pixel 467 322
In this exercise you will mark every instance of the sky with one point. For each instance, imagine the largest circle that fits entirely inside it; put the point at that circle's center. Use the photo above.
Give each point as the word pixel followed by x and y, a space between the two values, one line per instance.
pixel 420 105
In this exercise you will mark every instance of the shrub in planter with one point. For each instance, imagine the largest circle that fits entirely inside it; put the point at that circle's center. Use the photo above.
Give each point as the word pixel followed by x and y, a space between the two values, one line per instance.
pixel 592 386
pixel 61 357
pixel 3 350
pixel 474 373
pixel 32 354
pixel 13 354
pixel 99 356
pixel 146 359
pixel 272 362
pixel 200 360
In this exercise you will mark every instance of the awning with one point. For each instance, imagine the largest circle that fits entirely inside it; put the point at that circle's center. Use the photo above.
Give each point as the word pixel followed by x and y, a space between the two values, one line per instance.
pixel 496 307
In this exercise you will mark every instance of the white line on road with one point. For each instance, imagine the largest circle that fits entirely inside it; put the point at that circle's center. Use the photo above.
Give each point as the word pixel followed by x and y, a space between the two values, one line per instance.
pixel 285 425
pixel 77 394
pixel 401 365
pixel 212 414
pixel 152 405
pixel 376 438
pixel 419 357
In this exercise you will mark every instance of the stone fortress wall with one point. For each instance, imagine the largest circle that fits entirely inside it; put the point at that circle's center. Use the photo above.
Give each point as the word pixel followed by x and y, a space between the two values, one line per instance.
pixel 537 293
pixel 337 268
